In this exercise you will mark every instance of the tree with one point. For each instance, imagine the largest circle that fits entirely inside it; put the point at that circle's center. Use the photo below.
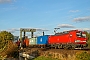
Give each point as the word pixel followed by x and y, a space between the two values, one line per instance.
pixel 88 36
pixel 5 37
pixel 7 47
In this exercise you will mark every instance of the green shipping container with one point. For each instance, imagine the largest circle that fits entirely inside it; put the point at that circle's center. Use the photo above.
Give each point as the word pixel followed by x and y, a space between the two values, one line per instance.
pixel 32 41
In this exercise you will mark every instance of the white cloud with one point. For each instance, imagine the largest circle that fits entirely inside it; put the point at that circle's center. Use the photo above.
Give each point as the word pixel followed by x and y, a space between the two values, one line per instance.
pixel 41 29
pixel 74 11
pixel 80 29
pixel 5 1
pixel 83 29
pixel 66 26
pixel 82 19
pixel 14 0
pixel 13 30
pixel 2 30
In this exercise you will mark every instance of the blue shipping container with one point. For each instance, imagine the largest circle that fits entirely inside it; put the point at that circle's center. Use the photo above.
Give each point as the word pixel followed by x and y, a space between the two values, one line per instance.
pixel 42 39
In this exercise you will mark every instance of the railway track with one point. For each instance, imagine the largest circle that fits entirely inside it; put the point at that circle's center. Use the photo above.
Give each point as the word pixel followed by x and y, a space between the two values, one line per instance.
pixel 57 50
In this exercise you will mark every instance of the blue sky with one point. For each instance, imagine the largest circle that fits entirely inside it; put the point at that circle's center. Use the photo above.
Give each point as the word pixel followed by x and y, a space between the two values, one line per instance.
pixel 44 14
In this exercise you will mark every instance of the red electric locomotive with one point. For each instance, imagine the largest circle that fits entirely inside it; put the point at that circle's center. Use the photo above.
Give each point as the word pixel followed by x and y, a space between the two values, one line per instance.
pixel 68 40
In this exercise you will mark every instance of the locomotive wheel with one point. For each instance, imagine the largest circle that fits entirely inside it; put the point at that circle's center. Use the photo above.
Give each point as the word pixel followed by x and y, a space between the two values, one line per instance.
pixel 81 46
pixel 55 47
pixel 65 47
pixel 59 46
pixel 73 47
pixel 69 47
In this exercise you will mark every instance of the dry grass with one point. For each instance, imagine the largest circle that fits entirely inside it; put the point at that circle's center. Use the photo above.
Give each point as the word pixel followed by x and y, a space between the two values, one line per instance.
pixel 10 49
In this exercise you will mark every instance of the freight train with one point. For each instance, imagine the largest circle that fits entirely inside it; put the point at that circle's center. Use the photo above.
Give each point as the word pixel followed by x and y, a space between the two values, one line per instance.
pixel 67 40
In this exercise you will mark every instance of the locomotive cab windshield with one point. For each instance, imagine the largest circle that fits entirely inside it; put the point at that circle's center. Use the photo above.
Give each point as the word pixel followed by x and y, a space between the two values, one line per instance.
pixel 81 34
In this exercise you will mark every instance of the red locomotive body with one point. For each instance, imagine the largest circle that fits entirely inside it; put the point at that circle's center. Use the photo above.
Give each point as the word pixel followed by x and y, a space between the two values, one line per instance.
pixel 68 39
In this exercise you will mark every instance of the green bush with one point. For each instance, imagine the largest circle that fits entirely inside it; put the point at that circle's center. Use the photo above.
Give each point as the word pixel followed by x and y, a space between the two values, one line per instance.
pixel 83 56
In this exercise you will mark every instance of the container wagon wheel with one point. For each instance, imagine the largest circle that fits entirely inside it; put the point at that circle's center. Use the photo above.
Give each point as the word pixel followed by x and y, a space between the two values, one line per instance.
pixel 41 46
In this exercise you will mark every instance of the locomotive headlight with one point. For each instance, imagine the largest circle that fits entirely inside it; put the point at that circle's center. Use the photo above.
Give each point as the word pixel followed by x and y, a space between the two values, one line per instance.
pixel 77 40
pixel 80 41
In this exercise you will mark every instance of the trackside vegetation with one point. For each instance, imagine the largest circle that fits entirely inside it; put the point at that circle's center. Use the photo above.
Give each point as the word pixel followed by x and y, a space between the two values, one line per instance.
pixel 88 37
pixel 7 47
pixel 44 58
pixel 83 56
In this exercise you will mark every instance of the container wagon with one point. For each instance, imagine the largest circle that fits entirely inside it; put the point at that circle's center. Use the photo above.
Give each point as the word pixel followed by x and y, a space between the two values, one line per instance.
pixel 42 41
pixel 33 42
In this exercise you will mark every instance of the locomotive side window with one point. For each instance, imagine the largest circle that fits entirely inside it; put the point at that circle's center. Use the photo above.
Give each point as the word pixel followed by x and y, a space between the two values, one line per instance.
pixel 84 35
pixel 60 33
pixel 80 34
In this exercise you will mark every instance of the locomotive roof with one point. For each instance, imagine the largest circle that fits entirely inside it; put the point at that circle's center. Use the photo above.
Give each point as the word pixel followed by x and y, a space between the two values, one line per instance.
pixel 66 32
